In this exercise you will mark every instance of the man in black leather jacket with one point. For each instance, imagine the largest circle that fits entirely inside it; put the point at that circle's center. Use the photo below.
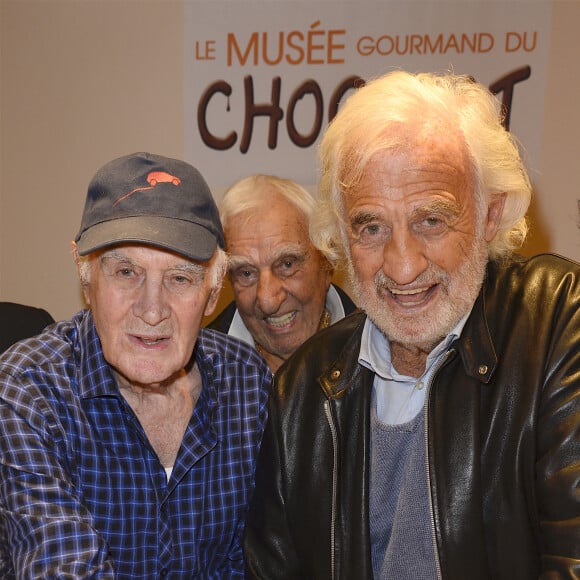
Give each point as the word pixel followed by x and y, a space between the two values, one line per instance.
pixel 436 432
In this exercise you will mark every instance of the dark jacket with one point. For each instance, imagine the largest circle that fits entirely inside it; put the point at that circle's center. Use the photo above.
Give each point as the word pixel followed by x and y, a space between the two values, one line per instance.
pixel 223 320
pixel 502 437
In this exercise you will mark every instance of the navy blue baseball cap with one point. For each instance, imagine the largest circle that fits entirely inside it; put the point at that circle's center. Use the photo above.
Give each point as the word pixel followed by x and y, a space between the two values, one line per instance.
pixel 149 199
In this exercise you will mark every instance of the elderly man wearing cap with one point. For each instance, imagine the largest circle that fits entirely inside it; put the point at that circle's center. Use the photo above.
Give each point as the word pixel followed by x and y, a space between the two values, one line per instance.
pixel 128 434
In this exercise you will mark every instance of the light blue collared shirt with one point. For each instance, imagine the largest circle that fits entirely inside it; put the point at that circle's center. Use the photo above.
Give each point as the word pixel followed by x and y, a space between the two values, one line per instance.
pixel 398 397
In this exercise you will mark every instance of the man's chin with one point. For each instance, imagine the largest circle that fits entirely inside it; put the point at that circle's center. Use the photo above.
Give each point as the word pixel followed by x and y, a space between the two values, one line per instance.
pixel 413 336
pixel 144 376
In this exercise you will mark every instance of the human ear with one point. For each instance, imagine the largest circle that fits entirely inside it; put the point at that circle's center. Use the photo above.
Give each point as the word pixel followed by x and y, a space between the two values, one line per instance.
pixel 212 301
pixel 83 281
pixel 493 218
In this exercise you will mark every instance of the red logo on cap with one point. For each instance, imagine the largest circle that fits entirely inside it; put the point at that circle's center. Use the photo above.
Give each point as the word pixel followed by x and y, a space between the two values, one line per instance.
pixel 153 179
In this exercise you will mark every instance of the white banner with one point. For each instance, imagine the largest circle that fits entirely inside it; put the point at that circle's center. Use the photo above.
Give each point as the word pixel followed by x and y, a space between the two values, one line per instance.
pixel 262 78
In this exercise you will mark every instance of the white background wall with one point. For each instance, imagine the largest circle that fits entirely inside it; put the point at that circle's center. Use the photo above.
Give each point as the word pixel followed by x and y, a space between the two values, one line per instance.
pixel 85 81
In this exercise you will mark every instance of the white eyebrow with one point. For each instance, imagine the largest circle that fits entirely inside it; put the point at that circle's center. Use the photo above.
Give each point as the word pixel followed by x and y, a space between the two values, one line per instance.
pixel 363 217
pixel 191 268
pixel 117 255
pixel 238 261
pixel 186 266
pixel 288 250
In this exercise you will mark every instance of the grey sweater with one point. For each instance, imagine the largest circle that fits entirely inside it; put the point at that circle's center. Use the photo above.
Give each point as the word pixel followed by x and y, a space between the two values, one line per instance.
pixel 401 538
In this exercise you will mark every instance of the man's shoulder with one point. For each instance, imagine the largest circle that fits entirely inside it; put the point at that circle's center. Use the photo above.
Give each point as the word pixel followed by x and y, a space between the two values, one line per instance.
pixel 230 365
pixel 53 343
pixel 352 322
pixel 549 272
pixel 535 291
pixel 546 261
pixel 45 363
pixel 214 343
pixel 332 343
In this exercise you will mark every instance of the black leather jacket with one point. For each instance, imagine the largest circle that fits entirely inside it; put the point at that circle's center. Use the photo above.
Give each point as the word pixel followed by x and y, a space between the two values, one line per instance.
pixel 502 437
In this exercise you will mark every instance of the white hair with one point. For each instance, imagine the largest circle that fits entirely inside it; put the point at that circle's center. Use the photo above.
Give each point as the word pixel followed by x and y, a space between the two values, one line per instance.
pixel 363 126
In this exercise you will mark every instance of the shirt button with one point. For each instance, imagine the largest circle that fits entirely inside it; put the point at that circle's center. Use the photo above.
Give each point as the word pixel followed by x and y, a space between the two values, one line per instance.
pixel 482 369
pixel 419 386
pixel 163 572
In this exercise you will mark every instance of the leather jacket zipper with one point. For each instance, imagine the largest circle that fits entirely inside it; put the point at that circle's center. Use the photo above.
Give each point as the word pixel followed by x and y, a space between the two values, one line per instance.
pixel 332 426
pixel 439 364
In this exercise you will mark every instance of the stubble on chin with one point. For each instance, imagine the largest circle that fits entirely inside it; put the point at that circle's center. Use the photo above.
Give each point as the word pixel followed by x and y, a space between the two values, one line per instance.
pixel 457 294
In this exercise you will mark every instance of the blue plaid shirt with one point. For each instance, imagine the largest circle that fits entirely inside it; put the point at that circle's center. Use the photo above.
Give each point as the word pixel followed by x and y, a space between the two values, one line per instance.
pixel 83 494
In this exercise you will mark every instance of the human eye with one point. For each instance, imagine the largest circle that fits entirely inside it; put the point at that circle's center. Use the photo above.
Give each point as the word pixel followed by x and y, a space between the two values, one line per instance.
pixel 183 279
pixel 243 276
pixel 180 280
pixel 369 231
pixel 288 265
pixel 432 223
pixel 128 275
pixel 435 221
pixel 123 273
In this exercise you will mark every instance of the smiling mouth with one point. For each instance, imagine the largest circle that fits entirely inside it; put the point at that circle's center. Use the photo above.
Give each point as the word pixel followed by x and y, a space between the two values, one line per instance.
pixel 413 296
pixel 280 321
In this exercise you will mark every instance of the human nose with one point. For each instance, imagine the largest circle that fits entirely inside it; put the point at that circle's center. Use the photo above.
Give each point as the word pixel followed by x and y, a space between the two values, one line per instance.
pixel 404 257
pixel 270 293
pixel 151 305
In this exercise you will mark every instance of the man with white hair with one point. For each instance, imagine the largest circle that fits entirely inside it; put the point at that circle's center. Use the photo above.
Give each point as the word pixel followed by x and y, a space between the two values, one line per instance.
pixel 282 284
pixel 435 434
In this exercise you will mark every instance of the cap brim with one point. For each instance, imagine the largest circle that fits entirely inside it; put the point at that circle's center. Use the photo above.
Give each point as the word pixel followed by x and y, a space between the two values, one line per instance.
pixel 183 237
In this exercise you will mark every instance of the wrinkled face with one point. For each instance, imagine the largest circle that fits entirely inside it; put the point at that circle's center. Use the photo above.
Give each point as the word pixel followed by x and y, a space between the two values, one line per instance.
pixel 278 277
pixel 147 305
pixel 418 249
